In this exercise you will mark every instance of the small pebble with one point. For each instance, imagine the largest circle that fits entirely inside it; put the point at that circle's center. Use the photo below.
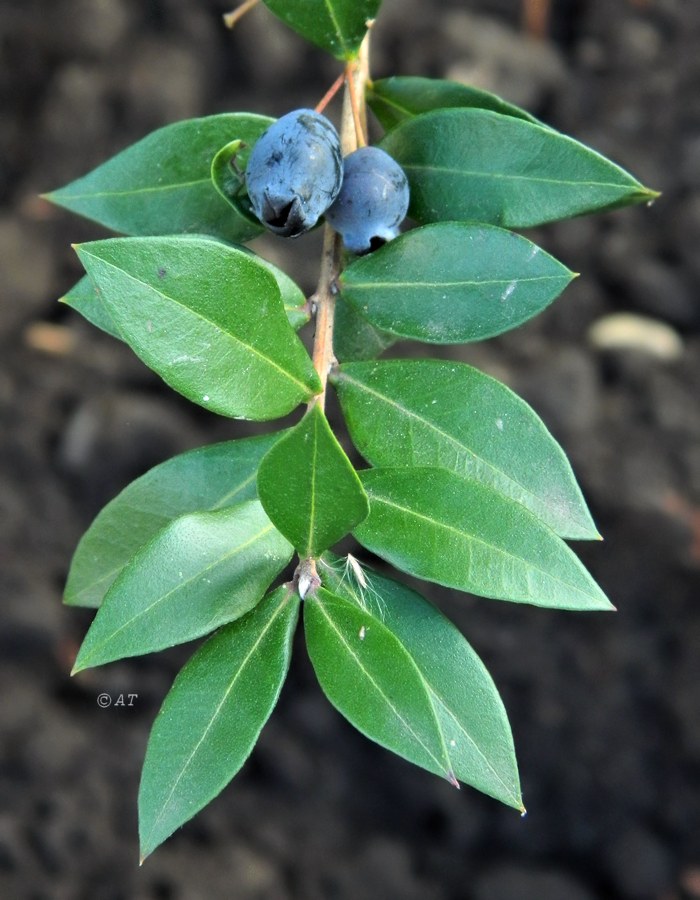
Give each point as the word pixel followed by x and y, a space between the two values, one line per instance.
pixel 626 331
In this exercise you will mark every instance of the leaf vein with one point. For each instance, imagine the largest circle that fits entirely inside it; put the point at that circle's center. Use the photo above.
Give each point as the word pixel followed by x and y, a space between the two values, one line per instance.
pixel 379 690
pixel 178 587
pixel 217 711
pixel 249 347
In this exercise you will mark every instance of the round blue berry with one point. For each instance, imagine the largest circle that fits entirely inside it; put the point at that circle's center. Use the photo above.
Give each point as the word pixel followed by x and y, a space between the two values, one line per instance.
pixel 372 202
pixel 294 172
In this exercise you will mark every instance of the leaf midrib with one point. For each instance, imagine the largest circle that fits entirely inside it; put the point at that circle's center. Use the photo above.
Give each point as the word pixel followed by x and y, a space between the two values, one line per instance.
pixel 508 176
pixel 217 712
pixel 198 315
pixel 130 192
pixel 411 414
pixel 466 535
pixel 438 285
pixel 180 586
pixel 336 25
pixel 166 520
pixel 321 607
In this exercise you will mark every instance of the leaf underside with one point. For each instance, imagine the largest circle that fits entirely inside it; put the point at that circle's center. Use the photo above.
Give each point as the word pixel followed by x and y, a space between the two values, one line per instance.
pixel 202 480
pixel 395 99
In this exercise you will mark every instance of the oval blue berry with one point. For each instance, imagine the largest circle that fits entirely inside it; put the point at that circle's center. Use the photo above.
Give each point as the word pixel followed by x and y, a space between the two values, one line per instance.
pixel 294 172
pixel 372 202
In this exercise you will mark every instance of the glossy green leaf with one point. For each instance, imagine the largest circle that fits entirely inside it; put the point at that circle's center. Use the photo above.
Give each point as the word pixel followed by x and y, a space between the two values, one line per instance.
pixel 395 99
pixel 371 679
pixel 474 732
pixel 201 571
pixel 309 488
pixel 474 164
pixel 207 318
pixel 212 717
pixel 293 298
pixel 436 413
pixel 453 282
pixel 337 26
pixel 162 184
pixel 84 298
pixel 205 479
pixel 464 534
pixel 354 337
pixel 228 177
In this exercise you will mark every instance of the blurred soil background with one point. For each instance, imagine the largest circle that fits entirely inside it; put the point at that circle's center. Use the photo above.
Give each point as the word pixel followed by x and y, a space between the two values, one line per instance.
pixel 605 708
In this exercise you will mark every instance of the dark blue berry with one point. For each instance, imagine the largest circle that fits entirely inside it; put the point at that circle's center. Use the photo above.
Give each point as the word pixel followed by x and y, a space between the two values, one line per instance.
pixel 372 202
pixel 294 172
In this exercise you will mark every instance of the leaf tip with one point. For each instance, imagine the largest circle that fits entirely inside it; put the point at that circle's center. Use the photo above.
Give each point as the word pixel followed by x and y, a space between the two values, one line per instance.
pixel 79 665
pixel 452 778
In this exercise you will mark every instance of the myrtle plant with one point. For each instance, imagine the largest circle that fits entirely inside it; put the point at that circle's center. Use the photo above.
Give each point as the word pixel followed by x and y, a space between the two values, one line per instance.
pixel 463 484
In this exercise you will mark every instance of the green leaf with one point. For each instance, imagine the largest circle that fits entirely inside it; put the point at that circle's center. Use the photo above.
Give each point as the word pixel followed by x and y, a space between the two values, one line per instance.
pixel 464 534
pixel 473 164
pixel 293 298
pixel 228 177
pixel 199 572
pixel 437 413
pixel 213 715
pixel 395 99
pixel 371 679
pixel 309 488
pixel 162 184
pixel 207 318
pixel 474 732
pixel 205 479
pixel 84 298
pixel 451 282
pixel 337 26
pixel 353 336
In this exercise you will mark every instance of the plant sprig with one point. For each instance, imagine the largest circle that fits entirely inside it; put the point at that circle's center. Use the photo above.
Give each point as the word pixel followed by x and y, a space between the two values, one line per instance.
pixel 464 486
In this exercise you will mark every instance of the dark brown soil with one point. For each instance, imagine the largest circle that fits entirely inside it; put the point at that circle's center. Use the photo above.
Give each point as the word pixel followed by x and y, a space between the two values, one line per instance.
pixel 605 708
